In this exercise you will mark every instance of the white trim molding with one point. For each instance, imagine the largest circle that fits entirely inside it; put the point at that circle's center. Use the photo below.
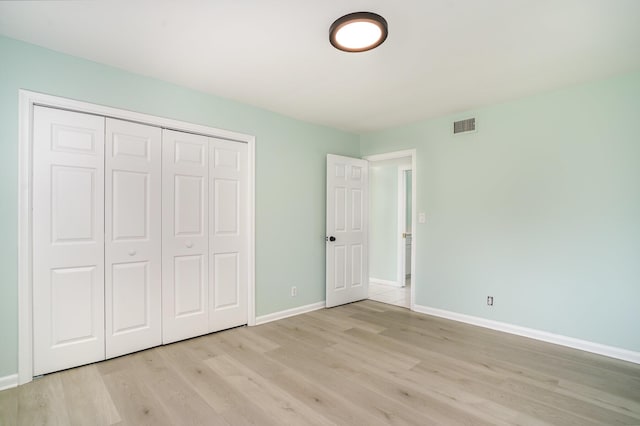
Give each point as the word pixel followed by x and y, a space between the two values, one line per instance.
pixel 391 155
pixel 402 221
pixel 385 282
pixel 263 319
pixel 8 382
pixel 583 345
pixel 27 100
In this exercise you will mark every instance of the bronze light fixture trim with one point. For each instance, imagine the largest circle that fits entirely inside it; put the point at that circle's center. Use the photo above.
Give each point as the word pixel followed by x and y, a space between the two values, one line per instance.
pixel 358 32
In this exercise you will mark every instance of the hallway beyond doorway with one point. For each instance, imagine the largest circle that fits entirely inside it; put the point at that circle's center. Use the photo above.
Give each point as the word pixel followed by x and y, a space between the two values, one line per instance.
pixel 392 295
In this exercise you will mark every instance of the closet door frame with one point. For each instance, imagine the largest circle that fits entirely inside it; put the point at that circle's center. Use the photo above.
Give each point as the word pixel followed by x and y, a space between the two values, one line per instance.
pixel 27 101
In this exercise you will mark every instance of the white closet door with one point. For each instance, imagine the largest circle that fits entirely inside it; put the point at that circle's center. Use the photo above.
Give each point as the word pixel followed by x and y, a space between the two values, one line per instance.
pixel 68 239
pixel 227 234
pixel 185 237
pixel 133 237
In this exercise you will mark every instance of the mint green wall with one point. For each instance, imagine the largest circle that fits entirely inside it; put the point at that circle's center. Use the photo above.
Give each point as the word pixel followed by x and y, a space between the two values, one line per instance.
pixel 540 209
pixel 383 218
pixel 290 181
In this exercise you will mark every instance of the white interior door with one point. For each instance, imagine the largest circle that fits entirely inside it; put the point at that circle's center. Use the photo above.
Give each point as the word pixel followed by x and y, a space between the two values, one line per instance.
pixel 133 237
pixel 347 230
pixel 228 248
pixel 68 239
pixel 185 237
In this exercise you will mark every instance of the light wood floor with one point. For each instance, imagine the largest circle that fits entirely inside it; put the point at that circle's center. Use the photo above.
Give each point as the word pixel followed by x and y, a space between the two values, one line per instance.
pixel 362 364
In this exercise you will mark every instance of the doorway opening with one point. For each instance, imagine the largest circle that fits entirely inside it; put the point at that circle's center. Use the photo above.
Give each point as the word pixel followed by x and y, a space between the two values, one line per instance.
pixel 391 213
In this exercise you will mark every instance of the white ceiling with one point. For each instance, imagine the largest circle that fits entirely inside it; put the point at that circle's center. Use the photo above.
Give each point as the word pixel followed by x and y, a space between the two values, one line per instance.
pixel 441 56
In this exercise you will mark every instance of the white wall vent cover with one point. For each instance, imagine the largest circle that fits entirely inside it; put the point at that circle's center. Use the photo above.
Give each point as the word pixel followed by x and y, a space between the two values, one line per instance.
pixel 464 126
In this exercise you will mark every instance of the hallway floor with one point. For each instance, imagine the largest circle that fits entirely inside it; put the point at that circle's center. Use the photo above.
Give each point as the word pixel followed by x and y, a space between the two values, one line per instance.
pixel 398 296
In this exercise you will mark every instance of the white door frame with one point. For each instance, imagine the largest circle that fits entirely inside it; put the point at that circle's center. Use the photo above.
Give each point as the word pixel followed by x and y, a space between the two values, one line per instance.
pixel 414 173
pixel 402 218
pixel 27 100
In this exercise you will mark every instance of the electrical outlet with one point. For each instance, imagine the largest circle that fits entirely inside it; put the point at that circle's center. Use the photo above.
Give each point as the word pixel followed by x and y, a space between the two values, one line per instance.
pixel 490 300
pixel 294 291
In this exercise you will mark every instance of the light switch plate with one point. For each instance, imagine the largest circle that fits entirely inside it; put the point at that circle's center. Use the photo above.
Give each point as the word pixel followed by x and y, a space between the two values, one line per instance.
pixel 422 217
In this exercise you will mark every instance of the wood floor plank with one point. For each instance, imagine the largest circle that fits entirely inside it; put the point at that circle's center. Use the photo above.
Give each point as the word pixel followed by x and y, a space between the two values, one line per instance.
pixel 181 403
pixel 344 320
pixel 332 373
pixel 439 407
pixel 9 407
pixel 42 402
pixel 203 347
pixel 230 404
pixel 325 401
pixel 133 399
pixel 87 398
pixel 251 338
pixel 362 363
pixel 498 371
pixel 254 360
pixel 279 405
pixel 566 403
pixel 362 348
pixel 488 368
pixel 610 382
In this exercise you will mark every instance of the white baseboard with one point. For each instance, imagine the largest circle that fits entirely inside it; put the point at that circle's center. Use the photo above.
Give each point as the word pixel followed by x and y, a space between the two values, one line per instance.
pixel 385 282
pixel 8 382
pixel 289 313
pixel 584 345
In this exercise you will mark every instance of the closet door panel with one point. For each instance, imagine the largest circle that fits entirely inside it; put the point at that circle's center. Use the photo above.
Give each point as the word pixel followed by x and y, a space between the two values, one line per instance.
pixel 130 299
pixel 68 239
pixel 185 237
pixel 228 221
pixel 190 280
pixel 133 237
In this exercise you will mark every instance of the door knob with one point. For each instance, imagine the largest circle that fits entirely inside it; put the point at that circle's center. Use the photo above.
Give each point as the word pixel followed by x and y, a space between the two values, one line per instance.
pixel 332 238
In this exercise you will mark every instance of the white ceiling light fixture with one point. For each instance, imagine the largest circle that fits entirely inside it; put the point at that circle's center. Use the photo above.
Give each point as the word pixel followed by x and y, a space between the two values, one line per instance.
pixel 358 32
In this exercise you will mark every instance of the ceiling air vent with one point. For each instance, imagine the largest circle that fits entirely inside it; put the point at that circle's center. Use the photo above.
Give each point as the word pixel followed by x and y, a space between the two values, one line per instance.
pixel 464 126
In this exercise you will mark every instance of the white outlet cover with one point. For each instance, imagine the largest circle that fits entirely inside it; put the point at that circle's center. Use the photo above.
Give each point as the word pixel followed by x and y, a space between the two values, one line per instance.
pixel 422 217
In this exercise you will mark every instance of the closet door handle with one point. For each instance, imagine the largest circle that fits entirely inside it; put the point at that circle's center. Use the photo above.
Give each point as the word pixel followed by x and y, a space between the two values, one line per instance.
pixel 132 252
pixel 189 244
